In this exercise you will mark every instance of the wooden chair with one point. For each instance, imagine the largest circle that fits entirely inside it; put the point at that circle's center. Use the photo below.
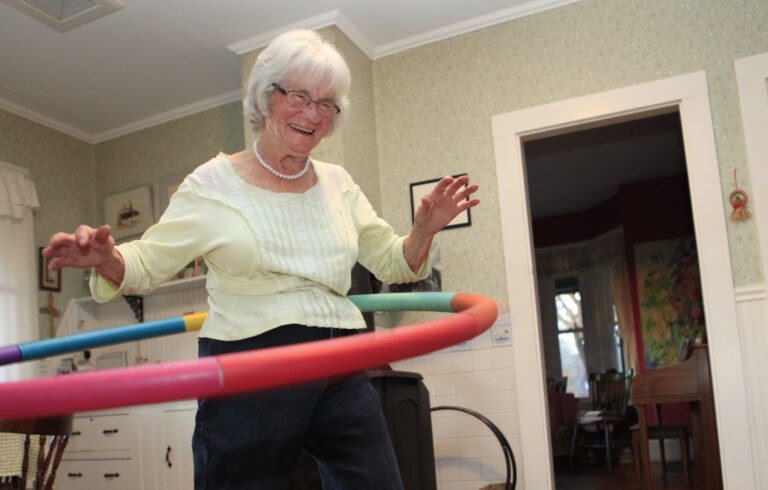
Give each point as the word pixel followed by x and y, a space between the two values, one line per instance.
pixel 49 454
pixel 660 432
pixel 609 393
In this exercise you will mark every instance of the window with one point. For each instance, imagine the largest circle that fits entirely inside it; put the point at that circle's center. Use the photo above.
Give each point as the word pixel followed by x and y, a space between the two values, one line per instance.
pixel 570 335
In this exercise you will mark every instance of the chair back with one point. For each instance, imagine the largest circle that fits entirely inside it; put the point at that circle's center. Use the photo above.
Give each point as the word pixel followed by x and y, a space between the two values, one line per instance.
pixel 610 391
pixel 48 454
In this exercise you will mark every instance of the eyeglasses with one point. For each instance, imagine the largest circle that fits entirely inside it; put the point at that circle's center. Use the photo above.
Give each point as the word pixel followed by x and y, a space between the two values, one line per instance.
pixel 300 98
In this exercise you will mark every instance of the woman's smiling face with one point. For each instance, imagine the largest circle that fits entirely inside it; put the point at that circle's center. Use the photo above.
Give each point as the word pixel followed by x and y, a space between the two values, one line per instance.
pixel 298 129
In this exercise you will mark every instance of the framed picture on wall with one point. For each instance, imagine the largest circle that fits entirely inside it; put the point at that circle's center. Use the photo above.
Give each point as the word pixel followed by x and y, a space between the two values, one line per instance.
pixel 421 189
pixel 48 280
pixel 129 213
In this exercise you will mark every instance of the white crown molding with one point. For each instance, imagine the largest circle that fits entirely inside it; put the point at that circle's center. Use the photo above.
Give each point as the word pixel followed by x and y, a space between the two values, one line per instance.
pixel 46 121
pixel 453 30
pixel 334 17
pixel 752 292
pixel 353 33
pixel 163 117
pixel 259 41
pixel 94 138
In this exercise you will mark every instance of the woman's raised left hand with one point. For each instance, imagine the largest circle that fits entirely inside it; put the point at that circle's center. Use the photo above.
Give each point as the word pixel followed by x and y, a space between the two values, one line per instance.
pixel 445 202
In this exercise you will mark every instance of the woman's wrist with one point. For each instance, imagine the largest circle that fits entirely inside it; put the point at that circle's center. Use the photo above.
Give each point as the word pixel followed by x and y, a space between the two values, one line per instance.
pixel 113 268
pixel 416 247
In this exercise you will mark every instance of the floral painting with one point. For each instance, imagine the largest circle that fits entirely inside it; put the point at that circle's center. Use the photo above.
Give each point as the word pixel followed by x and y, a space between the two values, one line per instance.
pixel 669 289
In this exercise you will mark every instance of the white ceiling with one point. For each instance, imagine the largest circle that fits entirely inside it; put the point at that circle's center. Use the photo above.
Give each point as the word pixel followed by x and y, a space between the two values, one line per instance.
pixel 155 60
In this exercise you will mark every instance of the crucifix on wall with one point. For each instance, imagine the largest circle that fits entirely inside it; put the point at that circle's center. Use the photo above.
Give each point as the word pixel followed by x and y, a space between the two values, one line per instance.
pixel 52 312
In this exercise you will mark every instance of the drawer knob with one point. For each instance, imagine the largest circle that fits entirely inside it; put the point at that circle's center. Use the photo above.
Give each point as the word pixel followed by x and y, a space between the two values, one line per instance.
pixel 109 431
pixel 168 457
pixel 76 433
pixel 74 475
pixel 111 475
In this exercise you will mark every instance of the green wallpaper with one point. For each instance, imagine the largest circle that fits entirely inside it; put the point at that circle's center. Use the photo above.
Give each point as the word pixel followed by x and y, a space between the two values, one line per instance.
pixel 146 157
pixel 73 177
pixel 62 167
pixel 434 104
pixel 426 112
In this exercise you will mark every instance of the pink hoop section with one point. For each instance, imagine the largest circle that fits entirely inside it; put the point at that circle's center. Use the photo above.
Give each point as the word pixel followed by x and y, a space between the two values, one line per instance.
pixel 247 371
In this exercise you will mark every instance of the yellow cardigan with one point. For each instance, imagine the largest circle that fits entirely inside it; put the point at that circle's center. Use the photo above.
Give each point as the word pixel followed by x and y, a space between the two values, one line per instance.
pixel 273 258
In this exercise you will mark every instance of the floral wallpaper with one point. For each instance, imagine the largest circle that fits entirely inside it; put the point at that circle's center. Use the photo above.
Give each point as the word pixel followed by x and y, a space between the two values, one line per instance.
pixel 174 148
pixel 434 104
pixel 63 171
pixel 72 177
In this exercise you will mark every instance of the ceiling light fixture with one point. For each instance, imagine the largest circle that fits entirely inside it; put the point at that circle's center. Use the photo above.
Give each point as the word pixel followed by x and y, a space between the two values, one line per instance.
pixel 64 15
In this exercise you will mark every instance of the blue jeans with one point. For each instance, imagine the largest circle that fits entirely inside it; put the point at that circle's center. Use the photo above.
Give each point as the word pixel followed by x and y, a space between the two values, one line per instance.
pixel 254 440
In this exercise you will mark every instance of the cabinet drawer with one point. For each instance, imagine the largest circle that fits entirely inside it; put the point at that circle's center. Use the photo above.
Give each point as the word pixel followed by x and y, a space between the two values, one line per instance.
pixel 97 475
pixel 102 433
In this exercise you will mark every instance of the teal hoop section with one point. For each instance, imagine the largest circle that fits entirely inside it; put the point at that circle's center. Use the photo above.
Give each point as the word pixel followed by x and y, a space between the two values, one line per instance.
pixel 404 302
pixel 438 302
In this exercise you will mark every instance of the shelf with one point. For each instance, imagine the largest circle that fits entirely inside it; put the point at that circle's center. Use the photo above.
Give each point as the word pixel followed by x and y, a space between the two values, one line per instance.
pixel 165 288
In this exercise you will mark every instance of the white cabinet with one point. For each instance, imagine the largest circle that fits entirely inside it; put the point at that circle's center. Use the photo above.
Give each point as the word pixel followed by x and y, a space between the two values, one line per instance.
pixel 147 447
pixel 103 452
pixel 167 456
pixel 111 474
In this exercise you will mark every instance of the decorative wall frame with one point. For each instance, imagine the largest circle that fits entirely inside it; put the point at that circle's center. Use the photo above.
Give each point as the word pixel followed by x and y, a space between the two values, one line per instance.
pixel 421 189
pixel 129 213
pixel 48 280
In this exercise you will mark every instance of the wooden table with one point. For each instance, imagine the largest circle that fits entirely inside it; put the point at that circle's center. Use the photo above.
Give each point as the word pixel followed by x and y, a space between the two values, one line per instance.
pixel 689 381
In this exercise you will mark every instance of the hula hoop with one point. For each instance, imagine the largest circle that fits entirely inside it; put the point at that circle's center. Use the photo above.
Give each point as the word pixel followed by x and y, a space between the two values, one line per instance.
pixel 239 372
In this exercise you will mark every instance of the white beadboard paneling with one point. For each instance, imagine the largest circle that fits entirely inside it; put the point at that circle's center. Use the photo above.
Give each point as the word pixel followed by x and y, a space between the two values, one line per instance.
pixel 752 309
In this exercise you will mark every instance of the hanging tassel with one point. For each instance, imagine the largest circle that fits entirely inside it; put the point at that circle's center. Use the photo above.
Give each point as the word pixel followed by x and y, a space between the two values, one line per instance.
pixel 738 199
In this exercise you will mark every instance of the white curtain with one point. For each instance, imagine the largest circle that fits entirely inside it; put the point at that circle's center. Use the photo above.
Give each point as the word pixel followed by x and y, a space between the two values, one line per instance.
pixel 18 278
pixel 600 267
pixel 597 312
pixel 548 318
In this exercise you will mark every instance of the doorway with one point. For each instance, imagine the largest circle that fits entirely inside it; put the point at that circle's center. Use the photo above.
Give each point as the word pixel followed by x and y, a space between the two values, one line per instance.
pixel 615 253
pixel 688 95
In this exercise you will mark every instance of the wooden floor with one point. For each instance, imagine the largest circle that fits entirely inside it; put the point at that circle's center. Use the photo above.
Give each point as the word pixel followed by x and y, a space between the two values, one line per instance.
pixel 596 477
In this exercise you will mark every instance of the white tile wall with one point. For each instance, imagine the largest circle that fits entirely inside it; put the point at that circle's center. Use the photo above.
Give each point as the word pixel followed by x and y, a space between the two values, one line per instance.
pixel 482 378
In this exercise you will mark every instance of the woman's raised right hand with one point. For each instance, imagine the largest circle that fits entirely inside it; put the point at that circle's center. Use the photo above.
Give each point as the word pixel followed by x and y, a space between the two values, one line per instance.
pixel 86 247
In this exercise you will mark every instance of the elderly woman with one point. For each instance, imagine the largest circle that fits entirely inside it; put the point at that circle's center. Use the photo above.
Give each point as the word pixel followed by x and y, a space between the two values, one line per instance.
pixel 280 233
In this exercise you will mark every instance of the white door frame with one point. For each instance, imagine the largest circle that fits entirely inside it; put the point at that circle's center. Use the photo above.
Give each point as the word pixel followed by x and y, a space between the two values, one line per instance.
pixel 689 94
pixel 752 79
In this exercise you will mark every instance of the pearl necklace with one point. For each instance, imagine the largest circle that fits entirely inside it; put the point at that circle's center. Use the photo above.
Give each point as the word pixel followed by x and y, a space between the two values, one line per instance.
pixel 275 172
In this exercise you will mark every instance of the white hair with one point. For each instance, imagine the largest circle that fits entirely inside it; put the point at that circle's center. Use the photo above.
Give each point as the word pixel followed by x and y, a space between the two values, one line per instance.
pixel 298 54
